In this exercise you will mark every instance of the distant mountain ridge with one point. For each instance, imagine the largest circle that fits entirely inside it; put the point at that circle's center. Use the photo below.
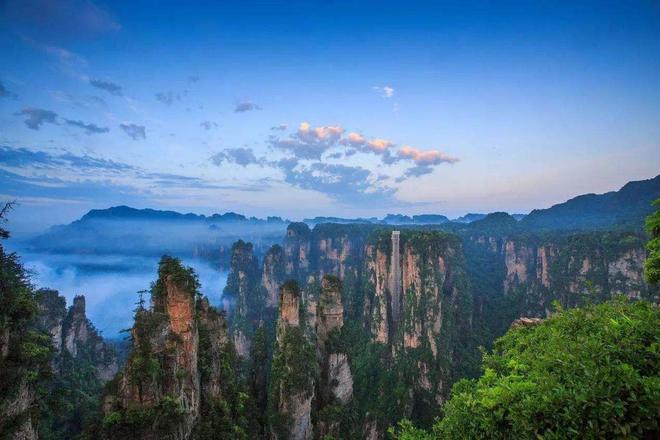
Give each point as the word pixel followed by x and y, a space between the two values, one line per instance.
pixel 627 207
pixel 389 219
pixel 131 231
pixel 127 213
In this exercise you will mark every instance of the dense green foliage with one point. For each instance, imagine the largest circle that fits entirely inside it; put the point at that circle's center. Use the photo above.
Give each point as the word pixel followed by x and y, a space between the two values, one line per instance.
pixel 231 414
pixel 25 352
pixel 227 409
pixel 171 268
pixel 652 265
pixel 243 289
pixel 585 373
pixel 294 370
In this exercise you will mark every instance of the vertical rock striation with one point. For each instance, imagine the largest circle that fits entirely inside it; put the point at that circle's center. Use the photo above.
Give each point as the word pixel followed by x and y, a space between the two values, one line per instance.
pixel 293 373
pixel 158 393
pixel 395 277
pixel 245 293
pixel 273 274
pixel 336 380
pixel 297 251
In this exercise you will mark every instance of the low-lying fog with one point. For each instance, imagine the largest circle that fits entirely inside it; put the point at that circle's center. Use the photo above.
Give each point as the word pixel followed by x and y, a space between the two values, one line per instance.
pixel 110 283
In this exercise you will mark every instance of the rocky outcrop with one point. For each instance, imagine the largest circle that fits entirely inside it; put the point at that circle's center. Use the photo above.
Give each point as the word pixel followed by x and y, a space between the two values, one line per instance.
pixel 420 306
pixel 294 372
pixel 395 277
pixel 245 293
pixel 213 343
pixel 526 322
pixel 432 274
pixel 516 259
pixel 297 251
pixel 376 307
pixel 181 380
pixel 571 268
pixel 16 411
pixel 625 274
pixel 74 337
pixel 273 274
pixel 160 385
pixel 336 380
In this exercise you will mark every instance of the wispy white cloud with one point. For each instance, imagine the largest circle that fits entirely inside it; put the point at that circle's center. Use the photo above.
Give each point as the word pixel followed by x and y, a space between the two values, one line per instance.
pixel 384 91
pixel 428 157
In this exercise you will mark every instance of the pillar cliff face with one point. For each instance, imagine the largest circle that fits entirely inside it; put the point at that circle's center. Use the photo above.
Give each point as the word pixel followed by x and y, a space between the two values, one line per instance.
pixel 160 384
pixel 273 274
pixel 336 380
pixel 245 293
pixel 181 377
pixel 293 373
pixel 395 277
pixel 297 251
pixel 73 335
pixel 565 267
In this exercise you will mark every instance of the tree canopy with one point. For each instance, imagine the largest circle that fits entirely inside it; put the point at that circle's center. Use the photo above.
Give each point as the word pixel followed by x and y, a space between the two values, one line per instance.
pixel 584 373
pixel 652 264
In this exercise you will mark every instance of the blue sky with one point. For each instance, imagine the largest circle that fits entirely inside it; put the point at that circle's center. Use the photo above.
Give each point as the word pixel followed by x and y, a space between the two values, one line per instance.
pixel 300 109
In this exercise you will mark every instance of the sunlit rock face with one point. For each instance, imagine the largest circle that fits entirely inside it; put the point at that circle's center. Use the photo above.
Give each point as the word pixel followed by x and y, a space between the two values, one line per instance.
pixel 289 311
pixel 177 374
pixel 184 344
pixel 166 340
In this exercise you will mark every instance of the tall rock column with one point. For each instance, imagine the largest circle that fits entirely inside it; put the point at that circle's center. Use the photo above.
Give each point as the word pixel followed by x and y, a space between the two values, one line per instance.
pixel 395 278
pixel 294 371
pixel 273 274
pixel 336 380
pixel 297 245
pixel 158 394
pixel 244 292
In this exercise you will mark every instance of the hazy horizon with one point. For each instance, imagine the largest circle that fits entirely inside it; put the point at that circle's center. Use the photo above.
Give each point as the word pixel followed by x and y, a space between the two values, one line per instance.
pixel 303 109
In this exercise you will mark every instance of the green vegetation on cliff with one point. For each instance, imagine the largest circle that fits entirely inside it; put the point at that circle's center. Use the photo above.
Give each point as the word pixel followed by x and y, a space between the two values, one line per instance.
pixel 161 393
pixel 584 373
pixel 294 369
pixel 25 352
pixel 652 265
